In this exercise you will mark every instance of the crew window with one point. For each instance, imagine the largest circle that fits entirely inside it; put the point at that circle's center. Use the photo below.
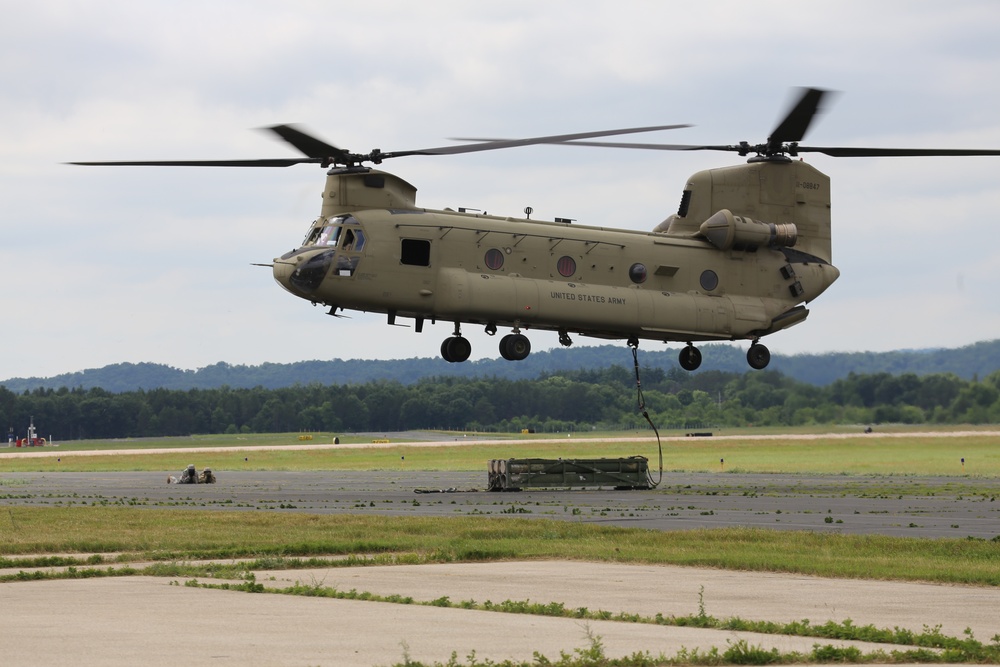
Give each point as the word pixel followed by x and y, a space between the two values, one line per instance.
pixel 354 239
pixel 415 252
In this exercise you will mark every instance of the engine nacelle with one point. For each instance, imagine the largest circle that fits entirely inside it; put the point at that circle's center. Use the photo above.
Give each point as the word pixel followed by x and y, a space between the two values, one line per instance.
pixel 732 232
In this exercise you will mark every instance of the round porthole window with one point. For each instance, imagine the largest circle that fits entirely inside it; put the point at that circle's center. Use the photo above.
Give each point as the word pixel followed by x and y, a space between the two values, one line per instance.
pixel 566 266
pixel 494 259
pixel 637 273
pixel 709 280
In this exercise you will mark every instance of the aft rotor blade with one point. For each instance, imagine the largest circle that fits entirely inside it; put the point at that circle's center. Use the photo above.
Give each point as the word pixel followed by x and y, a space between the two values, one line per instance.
pixel 834 151
pixel 306 143
pixel 846 151
pixel 795 124
pixel 497 144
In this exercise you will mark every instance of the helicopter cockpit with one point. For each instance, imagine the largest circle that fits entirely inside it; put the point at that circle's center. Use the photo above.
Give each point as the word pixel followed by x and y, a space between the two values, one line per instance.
pixel 335 229
pixel 341 242
pixel 343 233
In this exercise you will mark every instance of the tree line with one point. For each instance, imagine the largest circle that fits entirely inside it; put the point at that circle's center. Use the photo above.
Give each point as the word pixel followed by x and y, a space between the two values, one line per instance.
pixel 605 398
pixel 817 369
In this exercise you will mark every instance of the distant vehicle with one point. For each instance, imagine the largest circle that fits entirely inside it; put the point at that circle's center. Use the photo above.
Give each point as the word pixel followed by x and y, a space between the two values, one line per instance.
pixel 32 439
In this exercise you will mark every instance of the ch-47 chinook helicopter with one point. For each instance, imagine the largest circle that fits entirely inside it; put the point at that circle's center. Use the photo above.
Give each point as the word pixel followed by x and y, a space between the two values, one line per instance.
pixel 748 248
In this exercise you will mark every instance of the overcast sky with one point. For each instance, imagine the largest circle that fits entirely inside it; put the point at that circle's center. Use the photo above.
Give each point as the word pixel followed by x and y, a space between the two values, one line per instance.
pixel 115 264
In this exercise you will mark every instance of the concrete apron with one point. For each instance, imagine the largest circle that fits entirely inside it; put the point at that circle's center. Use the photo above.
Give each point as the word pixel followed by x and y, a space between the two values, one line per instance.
pixel 144 620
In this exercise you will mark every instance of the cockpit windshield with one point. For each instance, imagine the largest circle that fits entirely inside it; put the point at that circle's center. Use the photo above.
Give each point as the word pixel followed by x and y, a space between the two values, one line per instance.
pixel 339 231
pixel 329 235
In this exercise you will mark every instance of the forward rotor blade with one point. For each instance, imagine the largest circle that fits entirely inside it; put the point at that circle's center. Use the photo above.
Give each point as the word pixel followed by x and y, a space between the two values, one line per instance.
pixel 320 152
pixel 315 150
pixel 619 144
pixel 275 162
pixel 496 144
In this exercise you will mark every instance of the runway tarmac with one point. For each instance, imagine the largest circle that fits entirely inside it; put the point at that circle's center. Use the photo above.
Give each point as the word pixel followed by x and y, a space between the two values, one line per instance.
pixel 900 506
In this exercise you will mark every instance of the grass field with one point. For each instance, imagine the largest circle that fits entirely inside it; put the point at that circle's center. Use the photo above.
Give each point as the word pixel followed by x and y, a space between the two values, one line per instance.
pixel 186 533
pixel 885 453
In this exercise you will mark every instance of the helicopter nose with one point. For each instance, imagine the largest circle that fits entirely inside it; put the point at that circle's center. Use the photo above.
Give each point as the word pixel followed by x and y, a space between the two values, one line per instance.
pixel 282 269
pixel 300 273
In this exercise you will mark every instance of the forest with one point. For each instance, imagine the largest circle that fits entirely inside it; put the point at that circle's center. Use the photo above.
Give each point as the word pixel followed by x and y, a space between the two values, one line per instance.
pixel 596 399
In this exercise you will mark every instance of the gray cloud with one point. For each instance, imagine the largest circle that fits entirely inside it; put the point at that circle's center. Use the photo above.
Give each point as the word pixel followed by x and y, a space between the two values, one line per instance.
pixel 133 265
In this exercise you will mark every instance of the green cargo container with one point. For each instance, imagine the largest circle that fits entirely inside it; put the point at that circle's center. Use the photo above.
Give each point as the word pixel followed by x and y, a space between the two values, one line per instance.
pixel 515 474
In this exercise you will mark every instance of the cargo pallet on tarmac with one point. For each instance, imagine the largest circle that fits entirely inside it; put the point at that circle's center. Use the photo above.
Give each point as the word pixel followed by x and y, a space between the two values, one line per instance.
pixel 516 474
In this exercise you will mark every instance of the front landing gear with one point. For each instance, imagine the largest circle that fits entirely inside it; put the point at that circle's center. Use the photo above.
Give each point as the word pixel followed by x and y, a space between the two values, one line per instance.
pixel 758 356
pixel 690 358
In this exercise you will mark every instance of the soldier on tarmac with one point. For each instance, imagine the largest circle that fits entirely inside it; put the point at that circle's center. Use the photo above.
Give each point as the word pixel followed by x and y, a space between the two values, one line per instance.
pixel 190 476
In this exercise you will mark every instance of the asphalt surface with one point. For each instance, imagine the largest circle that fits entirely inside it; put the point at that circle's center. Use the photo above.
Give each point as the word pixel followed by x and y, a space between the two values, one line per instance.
pixel 901 506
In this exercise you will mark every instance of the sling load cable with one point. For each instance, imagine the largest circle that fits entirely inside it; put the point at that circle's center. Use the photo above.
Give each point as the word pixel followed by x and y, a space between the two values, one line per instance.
pixel 633 343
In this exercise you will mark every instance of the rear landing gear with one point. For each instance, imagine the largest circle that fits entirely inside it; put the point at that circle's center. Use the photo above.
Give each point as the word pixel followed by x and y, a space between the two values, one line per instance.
pixel 690 358
pixel 515 347
pixel 758 356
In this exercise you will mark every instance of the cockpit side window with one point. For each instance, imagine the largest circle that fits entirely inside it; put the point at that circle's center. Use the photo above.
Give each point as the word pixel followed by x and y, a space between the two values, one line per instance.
pixel 354 239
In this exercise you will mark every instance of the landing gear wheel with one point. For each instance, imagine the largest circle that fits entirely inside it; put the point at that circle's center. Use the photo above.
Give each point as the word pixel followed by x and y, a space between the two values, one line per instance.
pixel 456 349
pixel 515 347
pixel 690 358
pixel 758 356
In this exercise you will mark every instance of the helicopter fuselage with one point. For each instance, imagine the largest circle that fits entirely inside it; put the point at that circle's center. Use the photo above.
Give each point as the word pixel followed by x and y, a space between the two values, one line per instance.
pixel 726 277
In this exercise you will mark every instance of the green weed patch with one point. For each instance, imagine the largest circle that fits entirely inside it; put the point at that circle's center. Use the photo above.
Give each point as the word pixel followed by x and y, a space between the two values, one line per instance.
pixel 156 534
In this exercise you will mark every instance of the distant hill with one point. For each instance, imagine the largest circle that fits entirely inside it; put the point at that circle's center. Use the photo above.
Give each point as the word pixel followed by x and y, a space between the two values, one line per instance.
pixel 979 359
